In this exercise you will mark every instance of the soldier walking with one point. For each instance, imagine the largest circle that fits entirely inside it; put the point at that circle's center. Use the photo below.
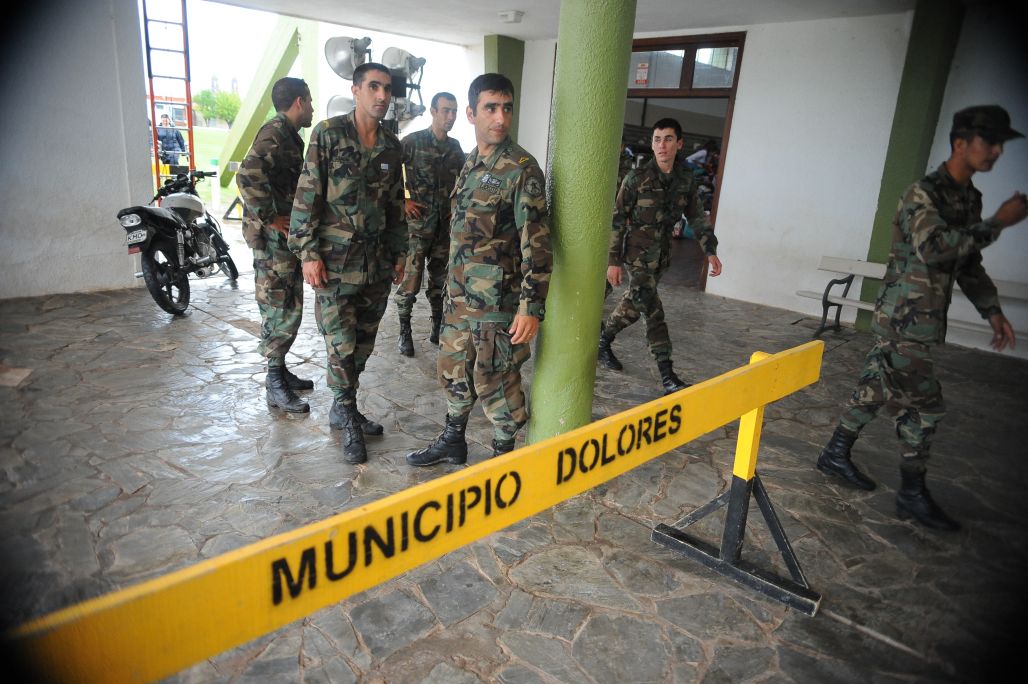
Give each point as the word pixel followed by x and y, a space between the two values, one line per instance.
pixel 499 273
pixel 937 238
pixel 267 181
pixel 348 229
pixel 651 200
pixel 431 161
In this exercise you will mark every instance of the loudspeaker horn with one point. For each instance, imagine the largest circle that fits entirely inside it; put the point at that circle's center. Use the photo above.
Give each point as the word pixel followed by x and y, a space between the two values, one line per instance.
pixel 344 54
pixel 339 105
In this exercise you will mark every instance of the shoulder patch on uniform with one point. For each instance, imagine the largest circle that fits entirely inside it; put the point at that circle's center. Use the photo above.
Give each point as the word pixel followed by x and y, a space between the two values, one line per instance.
pixel 523 160
pixel 533 188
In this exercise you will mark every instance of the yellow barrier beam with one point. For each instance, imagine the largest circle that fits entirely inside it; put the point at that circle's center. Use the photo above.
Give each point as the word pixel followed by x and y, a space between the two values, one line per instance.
pixel 161 626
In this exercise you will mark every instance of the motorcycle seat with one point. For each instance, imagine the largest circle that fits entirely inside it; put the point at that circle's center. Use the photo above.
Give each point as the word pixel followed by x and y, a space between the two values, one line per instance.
pixel 158 214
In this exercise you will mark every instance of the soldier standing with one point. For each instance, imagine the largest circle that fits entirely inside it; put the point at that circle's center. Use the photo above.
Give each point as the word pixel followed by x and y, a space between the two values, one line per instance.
pixel 651 200
pixel 431 160
pixel 937 238
pixel 500 263
pixel 348 229
pixel 267 182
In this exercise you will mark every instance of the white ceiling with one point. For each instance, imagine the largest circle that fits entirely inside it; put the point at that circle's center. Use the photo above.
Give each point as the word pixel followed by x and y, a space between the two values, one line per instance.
pixel 465 22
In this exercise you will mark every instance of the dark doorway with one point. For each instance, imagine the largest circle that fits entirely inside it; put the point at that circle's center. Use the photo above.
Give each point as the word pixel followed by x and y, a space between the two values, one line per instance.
pixel 693 80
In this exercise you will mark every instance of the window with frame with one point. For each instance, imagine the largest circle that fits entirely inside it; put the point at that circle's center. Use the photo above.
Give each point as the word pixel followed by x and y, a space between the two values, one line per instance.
pixel 702 65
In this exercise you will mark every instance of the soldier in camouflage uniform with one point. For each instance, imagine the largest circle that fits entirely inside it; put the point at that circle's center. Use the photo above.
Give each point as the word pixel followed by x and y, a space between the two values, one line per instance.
pixel 348 229
pixel 500 263
pixel 267 182
pixel 937 238
pixel 651 200
pixel 431 161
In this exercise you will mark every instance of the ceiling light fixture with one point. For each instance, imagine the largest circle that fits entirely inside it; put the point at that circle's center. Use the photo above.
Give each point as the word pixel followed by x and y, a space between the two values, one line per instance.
pixel 511 16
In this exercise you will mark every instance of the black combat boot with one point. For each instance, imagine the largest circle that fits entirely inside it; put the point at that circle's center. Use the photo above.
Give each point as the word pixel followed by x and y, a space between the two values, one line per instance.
pixel 502 446
pixel 835 460
pixel 295 383
pixel 668 379
pixel 914 501
pixel 337 420
pixel 437 323
pixel 605 355
pixel 450 446
pixel 405 345
pixel 279 394
pixel 347 418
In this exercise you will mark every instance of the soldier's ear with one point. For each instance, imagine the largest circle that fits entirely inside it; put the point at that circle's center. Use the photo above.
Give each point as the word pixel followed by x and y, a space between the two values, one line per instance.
pixel 471 114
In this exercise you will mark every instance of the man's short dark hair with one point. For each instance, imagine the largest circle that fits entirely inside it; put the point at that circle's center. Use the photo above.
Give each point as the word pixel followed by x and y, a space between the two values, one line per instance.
pixel 442 96
pixel 669 123
pixel 359 72
pixel 494 83
pixel 286 90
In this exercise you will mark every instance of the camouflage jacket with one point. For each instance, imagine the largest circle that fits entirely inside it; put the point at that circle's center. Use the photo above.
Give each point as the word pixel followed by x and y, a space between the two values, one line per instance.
pixel 647 208
pixel 431 168
pixel 937 237
pixel 348 210
pixel 500 255
pixel 267 177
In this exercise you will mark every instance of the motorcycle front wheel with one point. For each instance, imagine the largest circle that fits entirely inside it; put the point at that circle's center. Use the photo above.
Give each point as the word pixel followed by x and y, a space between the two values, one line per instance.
pixel 168 286
pixel 224 259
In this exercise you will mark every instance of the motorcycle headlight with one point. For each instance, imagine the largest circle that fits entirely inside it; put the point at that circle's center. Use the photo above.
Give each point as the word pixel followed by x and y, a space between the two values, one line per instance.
pixel 130 220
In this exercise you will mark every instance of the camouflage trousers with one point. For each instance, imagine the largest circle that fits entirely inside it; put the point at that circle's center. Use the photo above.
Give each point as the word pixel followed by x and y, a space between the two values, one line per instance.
pixel 641 299
pixel 477 360
pixel 349 323
pixel 279 290
pixel 436 252
pixel 900 378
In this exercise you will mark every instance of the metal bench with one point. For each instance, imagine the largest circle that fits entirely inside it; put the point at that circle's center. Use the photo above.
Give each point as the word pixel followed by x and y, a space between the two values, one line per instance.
pixel 849 269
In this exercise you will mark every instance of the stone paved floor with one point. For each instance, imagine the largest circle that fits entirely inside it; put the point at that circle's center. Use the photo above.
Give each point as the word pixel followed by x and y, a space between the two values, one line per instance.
pixel 134 443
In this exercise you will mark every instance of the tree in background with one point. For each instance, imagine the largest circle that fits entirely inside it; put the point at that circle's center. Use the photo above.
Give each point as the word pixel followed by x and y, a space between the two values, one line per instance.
pixel 218 105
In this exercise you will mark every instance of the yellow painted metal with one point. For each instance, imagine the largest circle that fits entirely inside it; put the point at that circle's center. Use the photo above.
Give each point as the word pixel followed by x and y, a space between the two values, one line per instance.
pixel 748 443
pixel 159 627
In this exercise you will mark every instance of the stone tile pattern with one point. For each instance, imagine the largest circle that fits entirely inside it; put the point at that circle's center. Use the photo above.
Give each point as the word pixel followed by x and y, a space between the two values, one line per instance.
pixel 140 443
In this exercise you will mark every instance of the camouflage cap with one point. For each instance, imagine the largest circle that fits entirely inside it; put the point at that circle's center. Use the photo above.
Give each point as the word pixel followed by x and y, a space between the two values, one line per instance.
pixel 989 121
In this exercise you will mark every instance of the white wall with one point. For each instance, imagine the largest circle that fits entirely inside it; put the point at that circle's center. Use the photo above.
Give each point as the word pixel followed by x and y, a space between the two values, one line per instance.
pixel 991 67
pixel 536 96
pixel 809 134
pixel 75 146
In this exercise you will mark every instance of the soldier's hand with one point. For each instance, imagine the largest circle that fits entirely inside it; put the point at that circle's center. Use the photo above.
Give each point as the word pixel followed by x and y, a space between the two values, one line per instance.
pixel 281 224
pixel 1003 332
pixel 413 209
pixel 614 275
pixel 397 274
pixel 523 329
pixel 1012 211
pixel 314 273
pixel 715 265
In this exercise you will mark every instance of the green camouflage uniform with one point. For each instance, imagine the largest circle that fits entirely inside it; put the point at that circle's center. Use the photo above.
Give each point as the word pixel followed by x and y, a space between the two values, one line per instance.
pixel 937 237
pixel 348 213
pixel 648 206
pixel 500 263
pixel 431 167
pixel 267 181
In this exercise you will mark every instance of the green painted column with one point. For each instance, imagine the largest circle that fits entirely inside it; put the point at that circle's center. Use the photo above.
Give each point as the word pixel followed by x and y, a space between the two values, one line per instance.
pixel 506 55
pixel 933 40
pixel 594 43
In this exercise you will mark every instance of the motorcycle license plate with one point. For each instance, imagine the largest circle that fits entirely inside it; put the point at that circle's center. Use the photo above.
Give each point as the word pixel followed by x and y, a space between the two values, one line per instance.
pixel 135 240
